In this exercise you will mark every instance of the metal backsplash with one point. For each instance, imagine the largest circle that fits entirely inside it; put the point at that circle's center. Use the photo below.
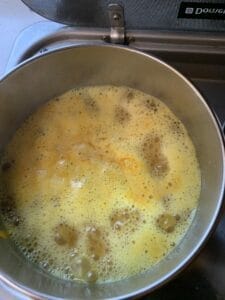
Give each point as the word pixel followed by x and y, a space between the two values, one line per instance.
pixel 139 14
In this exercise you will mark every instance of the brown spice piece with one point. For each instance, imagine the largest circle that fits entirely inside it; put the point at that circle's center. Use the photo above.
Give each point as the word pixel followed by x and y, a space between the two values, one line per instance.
pixel 96 243
pixel 125 219
pixel 166 222
pixel 66 235
pixel 152 152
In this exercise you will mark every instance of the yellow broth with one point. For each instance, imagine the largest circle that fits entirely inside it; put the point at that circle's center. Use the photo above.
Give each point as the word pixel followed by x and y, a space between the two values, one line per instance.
pixel 99 184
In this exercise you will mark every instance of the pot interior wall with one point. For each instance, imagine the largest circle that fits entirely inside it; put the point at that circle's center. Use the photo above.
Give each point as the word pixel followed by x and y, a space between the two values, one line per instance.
pixel 22 91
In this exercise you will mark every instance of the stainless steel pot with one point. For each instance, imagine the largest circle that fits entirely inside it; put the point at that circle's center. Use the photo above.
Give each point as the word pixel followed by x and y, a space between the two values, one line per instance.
pixel 40 79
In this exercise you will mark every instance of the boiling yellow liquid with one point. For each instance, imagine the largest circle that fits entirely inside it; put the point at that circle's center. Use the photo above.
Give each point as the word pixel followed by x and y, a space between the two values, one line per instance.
pixel 102 183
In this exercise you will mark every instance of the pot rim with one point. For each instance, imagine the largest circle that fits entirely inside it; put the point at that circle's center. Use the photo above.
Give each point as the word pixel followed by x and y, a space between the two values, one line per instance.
pixel 34 294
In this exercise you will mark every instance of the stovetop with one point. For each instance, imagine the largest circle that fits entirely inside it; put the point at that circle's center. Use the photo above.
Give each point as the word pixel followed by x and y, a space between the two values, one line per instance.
pixel 24 34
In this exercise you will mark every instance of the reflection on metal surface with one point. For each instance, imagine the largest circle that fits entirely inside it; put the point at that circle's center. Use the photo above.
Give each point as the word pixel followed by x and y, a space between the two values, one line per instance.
pixel 84 13
pixel 139 14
